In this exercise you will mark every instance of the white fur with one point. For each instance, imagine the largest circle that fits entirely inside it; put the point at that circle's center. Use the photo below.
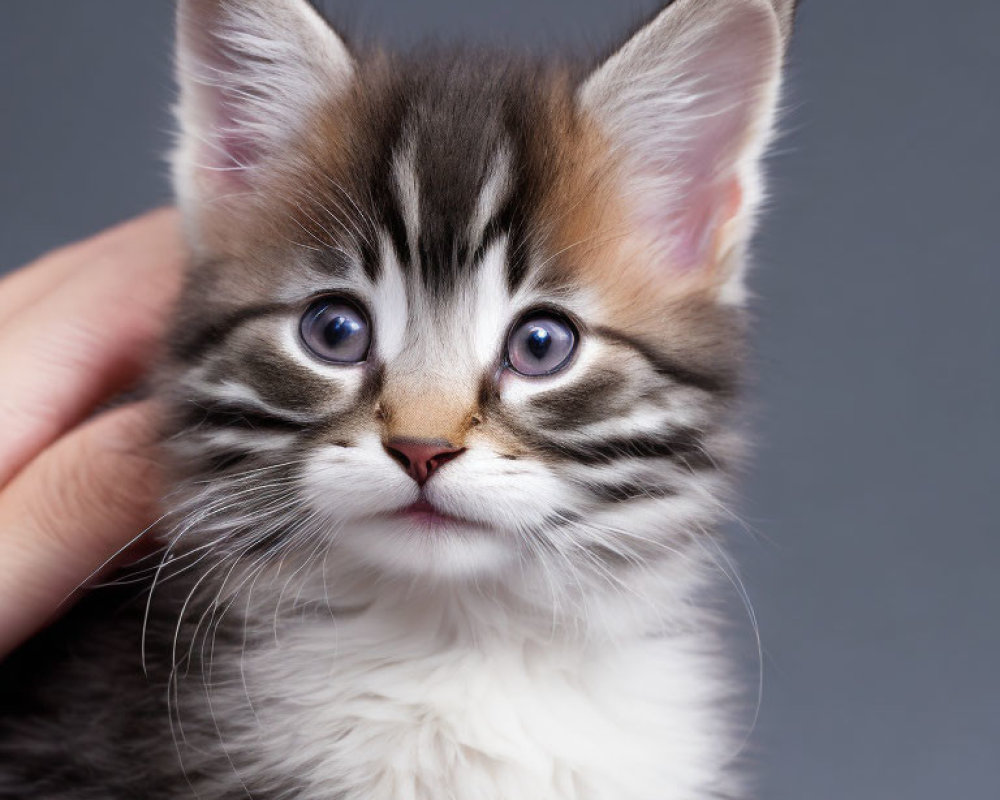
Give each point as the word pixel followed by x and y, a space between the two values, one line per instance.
pixel 495 190
pixel 472 693
pixel 408 186
pixel 389 296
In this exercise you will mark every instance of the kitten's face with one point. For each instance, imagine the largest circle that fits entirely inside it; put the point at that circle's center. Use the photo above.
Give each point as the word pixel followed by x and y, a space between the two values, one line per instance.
pixel 430 330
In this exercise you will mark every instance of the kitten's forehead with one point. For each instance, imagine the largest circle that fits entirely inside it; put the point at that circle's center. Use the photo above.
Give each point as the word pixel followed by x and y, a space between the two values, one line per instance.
pixel 443 161
pixel 425 168
pixel 449 230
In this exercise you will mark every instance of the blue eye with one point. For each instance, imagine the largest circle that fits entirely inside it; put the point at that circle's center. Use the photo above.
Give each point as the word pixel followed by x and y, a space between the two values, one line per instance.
pixel 336 330
pixel 540 344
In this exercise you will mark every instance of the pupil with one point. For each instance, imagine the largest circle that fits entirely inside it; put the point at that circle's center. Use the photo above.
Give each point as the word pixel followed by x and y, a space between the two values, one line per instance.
pixel 339 330
pixel 539 342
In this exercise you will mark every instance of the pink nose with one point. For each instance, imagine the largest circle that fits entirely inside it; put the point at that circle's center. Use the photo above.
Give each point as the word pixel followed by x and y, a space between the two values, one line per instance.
pixel 421 458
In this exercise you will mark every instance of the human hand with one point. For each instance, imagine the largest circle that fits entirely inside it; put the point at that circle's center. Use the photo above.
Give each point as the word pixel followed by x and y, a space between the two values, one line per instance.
pixel 76 328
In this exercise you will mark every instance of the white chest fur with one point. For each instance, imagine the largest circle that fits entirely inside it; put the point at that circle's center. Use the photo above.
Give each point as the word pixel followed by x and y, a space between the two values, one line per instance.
pixel 355 712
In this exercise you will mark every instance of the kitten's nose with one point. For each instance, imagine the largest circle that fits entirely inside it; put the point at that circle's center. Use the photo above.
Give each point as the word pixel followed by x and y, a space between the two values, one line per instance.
pixel 421 458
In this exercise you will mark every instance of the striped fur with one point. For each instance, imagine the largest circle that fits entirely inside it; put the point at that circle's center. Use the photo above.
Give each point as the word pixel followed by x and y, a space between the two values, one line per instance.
pixel 300 638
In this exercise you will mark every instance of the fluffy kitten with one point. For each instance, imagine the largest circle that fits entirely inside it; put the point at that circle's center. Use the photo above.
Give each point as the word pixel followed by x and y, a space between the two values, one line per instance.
pixel 450 391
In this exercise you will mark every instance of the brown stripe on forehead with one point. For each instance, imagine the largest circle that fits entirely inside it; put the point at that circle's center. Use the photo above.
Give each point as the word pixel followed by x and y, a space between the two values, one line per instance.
pixel 578 207
pixel 351 145
pixel 459 131
pixel 471 118
pixel 546 135
pixel 341 196
pixel 449 115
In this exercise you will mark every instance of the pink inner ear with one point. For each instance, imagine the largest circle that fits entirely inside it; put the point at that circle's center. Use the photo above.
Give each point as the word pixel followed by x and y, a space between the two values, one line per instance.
pixel 708 172
pixel 226 148
pixel 692 113
pixel 690 194
pixel 225 158
pixel 235 155
pixel 692 232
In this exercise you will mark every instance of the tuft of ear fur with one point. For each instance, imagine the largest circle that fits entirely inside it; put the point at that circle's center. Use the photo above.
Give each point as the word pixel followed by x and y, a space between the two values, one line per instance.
pixel 250 74
pixel 688 106
pixel 785 9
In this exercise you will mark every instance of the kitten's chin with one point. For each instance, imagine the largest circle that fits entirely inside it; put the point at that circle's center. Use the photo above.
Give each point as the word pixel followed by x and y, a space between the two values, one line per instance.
pixel 420 544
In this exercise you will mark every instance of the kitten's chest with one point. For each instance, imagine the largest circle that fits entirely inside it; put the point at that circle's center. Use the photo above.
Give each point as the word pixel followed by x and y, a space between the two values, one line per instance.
pixel 509 720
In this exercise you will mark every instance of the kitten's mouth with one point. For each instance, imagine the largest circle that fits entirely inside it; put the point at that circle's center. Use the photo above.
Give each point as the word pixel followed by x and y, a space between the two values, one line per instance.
pixel 424 514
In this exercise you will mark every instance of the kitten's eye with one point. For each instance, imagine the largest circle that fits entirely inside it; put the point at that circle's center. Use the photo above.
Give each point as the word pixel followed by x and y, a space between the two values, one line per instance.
pixel 540 344
pixel 336 330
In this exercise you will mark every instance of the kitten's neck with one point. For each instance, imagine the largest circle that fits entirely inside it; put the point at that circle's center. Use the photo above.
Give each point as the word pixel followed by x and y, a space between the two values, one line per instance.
pixel 520 609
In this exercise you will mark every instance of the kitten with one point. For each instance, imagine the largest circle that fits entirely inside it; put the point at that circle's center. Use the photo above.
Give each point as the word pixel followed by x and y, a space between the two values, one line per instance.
pixel 450 394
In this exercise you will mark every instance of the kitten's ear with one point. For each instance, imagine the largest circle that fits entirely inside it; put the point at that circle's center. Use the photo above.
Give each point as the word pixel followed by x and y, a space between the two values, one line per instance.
pixel 688 105
pixel 250 74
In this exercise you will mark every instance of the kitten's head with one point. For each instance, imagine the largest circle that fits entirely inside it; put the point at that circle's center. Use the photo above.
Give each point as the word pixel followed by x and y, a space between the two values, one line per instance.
pixel 451 316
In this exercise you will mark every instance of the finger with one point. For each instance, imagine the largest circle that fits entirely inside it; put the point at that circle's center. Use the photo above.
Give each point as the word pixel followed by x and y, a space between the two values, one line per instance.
pixel 87 338
pixel 69 511
pixel 23 287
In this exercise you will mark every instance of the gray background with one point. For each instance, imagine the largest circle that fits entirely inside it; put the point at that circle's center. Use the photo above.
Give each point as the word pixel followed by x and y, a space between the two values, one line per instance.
pixel 871 543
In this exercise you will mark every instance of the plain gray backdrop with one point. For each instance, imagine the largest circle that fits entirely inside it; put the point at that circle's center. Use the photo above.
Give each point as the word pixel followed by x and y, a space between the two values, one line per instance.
pixel 871 546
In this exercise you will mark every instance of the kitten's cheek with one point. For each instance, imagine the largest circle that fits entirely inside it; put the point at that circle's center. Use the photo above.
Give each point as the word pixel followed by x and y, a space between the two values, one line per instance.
pixel 342 484
pixel 514 390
